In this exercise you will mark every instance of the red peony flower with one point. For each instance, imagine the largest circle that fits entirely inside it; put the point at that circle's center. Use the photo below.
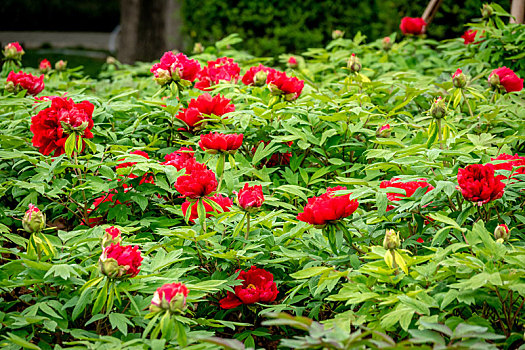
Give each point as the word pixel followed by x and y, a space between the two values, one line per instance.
pixel 44 66
pixel 410 188
pixel 280 84
pixel 505 78
pixel 120 261
pixel 181 159
pixel 13 51
pixel 224 202
pixel 328 207
pixel 171 296
pixel 198 183
pixel 217 142
pixel 224 69
pixel 250 197
pixel 420 240
pixel 257 286
pixel 469 36
pixel 478 183
pixel 412 25
pixel 204 104
pixel 256 75
pixel 174 68
pixel 24 81
pixel 52 126
pixel 515 164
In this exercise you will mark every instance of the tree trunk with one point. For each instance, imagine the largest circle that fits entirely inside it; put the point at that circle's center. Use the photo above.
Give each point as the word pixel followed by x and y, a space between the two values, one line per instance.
pixel 517 11
pixel 148 29
pixel 431 11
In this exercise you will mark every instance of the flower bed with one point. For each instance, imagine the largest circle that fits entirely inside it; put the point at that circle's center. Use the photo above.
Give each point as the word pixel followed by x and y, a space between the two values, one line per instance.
pixel 355 196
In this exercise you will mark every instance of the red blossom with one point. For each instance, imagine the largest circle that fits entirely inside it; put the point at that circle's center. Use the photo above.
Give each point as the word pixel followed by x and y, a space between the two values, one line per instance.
pixel 48 125
pixel 222 69
pixel 24 81
pixel 198 183
pixel 469 36
pixel 128 259
pixel 224 202
pixel 254 77
pixel 204 104
pixel 175 67
pixel 181 159
pixel 171 296
pixel 280 84
pixel 250 197
pixel 412 25
pixel 410 188
pixel 515 164
pixel 504 77
pixel 44 66
pixel 257 287
pixel 478 183
pixel 328 207
pixel 220 142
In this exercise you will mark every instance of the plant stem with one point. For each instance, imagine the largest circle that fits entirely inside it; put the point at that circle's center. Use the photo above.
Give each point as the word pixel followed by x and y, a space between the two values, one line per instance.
pixel 247 226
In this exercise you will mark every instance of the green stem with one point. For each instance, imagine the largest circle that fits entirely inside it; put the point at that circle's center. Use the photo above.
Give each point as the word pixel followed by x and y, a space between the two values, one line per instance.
pixel 247 226
pixel 440 134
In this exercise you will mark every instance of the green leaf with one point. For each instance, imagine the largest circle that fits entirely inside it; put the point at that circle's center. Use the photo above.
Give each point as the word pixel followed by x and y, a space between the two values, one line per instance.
pixel 69 146
pixel 310 272
pixel 120 321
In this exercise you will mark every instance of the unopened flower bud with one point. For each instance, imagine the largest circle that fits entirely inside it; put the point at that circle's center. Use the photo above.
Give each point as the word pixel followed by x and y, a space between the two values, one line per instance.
pixel 337 34
pixel 13 51
pixel 198 48
pixel 353 63
pixel 112 235
pixel 274 89
pixel 384 131
pixel 34 220
pixel 438 108
pixel 109 267
pixel 260 78
pixel 163 77
pixel 392 240
pixel 111 60
pixel 61 65
pixel 387 43
pixel 10 87
pixel 44 66
pixel 494 81
pixel 502 233
pixel 487 11
pixel 170 297
pixel 292 62
pixel 458 79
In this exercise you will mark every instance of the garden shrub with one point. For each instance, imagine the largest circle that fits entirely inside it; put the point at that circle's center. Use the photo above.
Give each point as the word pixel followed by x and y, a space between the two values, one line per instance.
pixel 359 195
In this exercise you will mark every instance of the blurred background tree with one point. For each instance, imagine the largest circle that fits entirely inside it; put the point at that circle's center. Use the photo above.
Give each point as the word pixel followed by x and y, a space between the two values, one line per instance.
pixel 268 27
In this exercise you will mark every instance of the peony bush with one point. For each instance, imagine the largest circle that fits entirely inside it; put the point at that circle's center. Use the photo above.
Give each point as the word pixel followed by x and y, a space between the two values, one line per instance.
pixel 360 195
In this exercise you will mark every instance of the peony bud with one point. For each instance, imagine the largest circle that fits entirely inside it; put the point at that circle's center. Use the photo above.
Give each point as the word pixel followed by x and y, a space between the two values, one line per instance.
pixel 438 108
pixel 384 131
pixel 13 51
pixel 292 62
pixel 61 65
pixel 163 77
pixel 198 48
pixel 458 79
pixel 392 240
pixel 387 43
pixel 487 11
pixel 112 235
pixel 274 89
pixel 260 78
pixel 502 233
pixel 337 34
pixel 10 87
pixel 170 297
pixel 44 66
pixel 118 261
pixel 353 63
pixel 494 81
pixel 111 60
pixel 34 220
pixel 109 267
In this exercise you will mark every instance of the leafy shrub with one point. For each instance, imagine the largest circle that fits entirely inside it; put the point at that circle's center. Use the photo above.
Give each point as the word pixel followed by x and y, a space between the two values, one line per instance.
pixel 432 255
